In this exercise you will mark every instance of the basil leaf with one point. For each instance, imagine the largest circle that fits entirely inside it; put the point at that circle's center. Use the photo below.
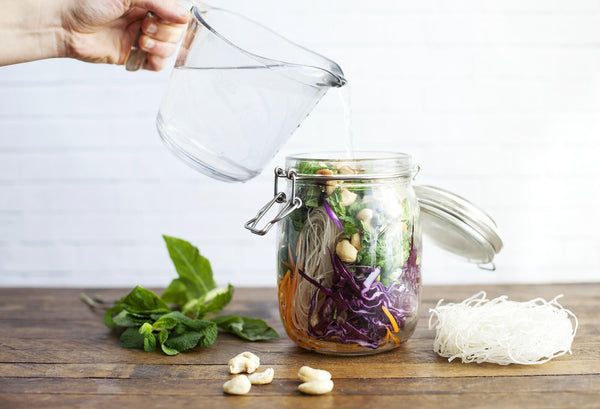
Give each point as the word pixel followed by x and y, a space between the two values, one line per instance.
pixel 108 316
pixel 175 293
pixel 124 319
pixel 250 329
pixel 213 302
pixel 193 269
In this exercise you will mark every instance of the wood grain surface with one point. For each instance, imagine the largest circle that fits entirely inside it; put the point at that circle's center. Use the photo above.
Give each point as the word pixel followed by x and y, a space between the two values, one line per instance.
pixel 55 352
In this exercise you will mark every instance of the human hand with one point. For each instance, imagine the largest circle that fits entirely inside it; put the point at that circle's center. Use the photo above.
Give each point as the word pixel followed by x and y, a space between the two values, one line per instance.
pixel 105 30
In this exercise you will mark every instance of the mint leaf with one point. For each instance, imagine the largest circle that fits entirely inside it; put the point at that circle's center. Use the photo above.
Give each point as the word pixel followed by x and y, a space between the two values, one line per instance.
pixel 185 341
pixel 162 337
pixel 193 269
pixel 250 329
pixel 146 329
pixel 164 322
pixel 149 342
pixel 131 338
pixel 168 350
pixel 144 302
pixel 204 335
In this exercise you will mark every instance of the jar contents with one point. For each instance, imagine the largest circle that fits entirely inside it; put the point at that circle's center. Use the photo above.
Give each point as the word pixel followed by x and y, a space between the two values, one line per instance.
pixel 349 258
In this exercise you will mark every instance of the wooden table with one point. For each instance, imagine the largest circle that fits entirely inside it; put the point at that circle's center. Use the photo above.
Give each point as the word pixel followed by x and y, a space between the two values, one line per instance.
pixel 56 352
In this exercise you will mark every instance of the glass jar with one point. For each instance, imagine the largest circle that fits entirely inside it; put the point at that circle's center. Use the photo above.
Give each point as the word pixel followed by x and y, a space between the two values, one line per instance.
pixel 349 252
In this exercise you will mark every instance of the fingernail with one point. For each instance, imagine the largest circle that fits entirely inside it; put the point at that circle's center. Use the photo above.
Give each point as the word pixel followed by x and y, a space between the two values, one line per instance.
pixel 183 13
pixel 149 44
pixel 151 29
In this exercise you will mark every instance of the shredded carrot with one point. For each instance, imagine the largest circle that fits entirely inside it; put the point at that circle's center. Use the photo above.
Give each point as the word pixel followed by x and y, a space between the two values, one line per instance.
pixel 392 336
pixel 391 318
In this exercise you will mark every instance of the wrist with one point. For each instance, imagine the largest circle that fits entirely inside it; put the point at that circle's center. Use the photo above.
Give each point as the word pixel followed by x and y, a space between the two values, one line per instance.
pixel 30 30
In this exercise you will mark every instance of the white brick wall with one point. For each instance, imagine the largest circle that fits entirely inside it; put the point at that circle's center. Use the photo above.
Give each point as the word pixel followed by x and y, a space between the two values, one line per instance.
pixel 497 100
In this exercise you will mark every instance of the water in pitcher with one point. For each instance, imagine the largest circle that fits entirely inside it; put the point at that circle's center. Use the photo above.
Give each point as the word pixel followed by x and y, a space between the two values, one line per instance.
pixel 229 118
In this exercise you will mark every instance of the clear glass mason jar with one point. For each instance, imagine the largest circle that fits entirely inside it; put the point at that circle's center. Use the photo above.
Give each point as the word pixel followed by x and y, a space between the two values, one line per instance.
pixel 349 254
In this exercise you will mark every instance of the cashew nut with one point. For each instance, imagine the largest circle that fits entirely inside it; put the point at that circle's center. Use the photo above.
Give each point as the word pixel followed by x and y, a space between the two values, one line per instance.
pixel 318 387
pixel 244 362
pixel 346 251
pixel 307 374
pixel 345 170
pixel 365 215
pixel 330 187
pixel 325 172
pixel 348 197
pixel 355 241
pixel 238 385
pixel 262 378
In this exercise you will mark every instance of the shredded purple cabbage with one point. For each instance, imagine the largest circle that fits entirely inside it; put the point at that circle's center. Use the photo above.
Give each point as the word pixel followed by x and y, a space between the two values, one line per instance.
pixel 351 309
pixel 332 215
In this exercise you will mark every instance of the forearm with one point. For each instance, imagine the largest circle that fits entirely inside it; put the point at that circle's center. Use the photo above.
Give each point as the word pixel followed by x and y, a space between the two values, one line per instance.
pixel 30 30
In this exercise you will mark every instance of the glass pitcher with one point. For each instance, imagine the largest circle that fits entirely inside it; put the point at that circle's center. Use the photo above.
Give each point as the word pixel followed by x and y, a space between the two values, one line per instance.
pixel 237 93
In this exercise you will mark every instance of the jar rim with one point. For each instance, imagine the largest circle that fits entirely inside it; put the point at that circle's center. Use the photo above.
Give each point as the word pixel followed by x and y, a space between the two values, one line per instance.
pixel 372 163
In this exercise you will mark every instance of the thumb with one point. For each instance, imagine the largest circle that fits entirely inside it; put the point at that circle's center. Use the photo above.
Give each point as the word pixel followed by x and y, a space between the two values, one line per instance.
pixel 168 10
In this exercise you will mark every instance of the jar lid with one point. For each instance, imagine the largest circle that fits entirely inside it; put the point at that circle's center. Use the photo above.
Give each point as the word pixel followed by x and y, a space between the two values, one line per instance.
pixel 457 225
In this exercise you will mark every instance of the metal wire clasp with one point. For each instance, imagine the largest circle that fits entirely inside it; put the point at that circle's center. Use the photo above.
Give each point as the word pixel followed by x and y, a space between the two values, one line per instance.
pixel 278 197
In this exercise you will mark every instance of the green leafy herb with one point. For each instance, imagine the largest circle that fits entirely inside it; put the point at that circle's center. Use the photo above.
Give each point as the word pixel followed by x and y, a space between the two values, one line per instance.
pixel 311 167
pixel 194 270
pixel 250 329
pixel 148 321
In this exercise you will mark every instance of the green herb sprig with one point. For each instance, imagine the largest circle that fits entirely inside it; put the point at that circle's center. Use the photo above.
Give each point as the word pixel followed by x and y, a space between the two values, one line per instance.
pixel 149 323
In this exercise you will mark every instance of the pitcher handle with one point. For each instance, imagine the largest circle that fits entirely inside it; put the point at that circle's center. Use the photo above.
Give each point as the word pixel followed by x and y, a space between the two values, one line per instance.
pixel 137 56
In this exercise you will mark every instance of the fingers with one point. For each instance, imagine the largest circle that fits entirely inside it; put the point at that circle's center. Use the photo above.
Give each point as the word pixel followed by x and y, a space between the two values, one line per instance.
pixel 160 40
pixel 154 63
pixel 168 10
pixel 161 31
pixel 158 48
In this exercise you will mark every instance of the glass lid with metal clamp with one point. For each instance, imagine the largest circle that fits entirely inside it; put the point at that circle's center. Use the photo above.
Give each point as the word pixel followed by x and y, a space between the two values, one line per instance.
pixel 458 226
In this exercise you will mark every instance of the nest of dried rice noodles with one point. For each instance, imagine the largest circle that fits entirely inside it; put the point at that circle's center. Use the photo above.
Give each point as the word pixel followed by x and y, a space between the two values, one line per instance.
pixel 502 331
